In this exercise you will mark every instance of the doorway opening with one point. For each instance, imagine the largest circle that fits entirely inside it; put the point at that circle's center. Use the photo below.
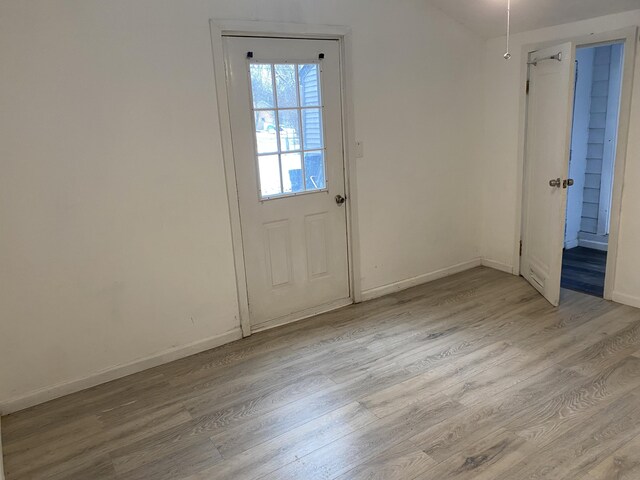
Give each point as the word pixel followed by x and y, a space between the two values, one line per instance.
pixel 596 109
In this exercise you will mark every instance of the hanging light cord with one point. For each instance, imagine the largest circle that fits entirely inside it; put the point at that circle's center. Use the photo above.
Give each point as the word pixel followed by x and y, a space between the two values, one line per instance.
pixel 507 55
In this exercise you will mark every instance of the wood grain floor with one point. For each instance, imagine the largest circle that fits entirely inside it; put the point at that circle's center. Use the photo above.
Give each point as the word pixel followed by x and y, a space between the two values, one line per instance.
pixel 470 377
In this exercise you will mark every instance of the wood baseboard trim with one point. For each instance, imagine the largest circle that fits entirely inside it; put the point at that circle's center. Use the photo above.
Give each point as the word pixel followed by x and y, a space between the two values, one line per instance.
pixel 503 267
pixel 65 388
pixel 419 280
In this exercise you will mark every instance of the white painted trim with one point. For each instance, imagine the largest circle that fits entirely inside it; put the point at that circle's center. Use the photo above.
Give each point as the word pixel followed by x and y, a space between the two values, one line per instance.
pixel 625 299
pixel 297 316
pixel 629 37
pixel 593 244
pixel 571 243
pixel 610 140
pixel 275 29
pixel 112 373
pixel 220 28
pixel 624 118
pixel 419 280
pixel 503 267
pixel 230 174
pixel 349 142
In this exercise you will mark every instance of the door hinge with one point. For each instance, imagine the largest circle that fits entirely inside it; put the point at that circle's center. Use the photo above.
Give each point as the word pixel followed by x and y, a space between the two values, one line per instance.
pixel 527 87
pixel 520 247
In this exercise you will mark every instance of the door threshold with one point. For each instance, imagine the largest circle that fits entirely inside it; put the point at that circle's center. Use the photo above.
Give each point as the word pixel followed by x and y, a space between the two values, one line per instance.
pixel 301 315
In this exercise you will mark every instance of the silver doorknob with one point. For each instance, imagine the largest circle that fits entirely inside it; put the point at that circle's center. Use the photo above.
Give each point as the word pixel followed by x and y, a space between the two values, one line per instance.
pixel 340 199
pixel 555 182
pixel 567 183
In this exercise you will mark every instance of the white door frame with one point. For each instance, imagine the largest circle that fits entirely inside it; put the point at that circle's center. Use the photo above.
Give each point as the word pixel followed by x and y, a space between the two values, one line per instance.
pixel 220 28
pixel 628 36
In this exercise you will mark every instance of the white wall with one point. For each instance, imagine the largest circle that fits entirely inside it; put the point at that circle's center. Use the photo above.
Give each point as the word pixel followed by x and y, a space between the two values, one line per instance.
pixel 115 240
pixel 579 140
pixel 502 86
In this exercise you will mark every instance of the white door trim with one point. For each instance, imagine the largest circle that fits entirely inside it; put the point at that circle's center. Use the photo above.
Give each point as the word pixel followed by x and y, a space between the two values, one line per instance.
pixel 220 28
pixel 629 37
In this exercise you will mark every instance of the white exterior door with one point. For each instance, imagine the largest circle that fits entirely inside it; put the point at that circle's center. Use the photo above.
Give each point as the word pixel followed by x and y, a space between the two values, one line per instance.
pixel 286 123
pixel 548 140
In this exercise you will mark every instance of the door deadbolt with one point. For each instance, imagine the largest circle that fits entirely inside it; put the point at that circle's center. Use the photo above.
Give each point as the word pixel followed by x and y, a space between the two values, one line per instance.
pixel 555 182
pixel 340 199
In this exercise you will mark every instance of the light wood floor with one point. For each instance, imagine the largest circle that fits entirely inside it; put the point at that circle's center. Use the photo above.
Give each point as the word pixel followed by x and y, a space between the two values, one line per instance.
pixel 471 377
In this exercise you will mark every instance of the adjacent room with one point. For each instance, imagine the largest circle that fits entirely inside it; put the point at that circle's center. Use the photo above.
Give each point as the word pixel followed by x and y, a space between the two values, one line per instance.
pixel 338 240
pixel 594 136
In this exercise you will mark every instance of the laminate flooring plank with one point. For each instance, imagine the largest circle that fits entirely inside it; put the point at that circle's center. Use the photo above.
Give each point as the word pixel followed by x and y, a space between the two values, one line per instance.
pixel 367 443
pixel 485 413
pixel 266 457
pixel 548 420
pixel 471 376
pixel 623 464
pixel 577 451
pixel 483 459
pixel 402 462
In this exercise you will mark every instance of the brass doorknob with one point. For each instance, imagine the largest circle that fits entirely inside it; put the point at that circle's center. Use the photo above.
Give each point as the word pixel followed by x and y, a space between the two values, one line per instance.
pixel 555 182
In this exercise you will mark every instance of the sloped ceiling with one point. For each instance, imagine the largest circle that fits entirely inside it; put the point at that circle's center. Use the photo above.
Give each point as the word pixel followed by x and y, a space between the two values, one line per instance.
pixel 487 17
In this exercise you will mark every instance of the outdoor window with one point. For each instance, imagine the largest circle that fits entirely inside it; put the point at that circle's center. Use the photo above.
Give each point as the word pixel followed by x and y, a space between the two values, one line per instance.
pixel 287 112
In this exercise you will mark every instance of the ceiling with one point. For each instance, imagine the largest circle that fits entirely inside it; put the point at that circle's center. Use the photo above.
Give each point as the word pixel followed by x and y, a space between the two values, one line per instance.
pixel 488 17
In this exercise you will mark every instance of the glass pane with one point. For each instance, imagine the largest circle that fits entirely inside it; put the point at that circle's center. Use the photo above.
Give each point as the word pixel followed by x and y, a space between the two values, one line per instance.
pixel 266 140
pixel 312 128
pixel 314 170
pixel 309 77
pixel 286 86
pixel 269 175
pixel 292 173
pixel 289 130
pixel 262 85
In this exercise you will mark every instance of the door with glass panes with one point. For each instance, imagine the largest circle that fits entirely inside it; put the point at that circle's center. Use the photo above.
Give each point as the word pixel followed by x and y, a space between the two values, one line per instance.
pixel 286 124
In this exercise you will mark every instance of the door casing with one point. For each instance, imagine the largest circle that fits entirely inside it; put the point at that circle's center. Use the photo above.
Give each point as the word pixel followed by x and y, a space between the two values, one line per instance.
pixel 219 29
pixel 627 36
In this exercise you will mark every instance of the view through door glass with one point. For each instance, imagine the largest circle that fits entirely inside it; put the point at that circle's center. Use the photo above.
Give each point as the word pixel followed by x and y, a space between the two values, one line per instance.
pixel 287 113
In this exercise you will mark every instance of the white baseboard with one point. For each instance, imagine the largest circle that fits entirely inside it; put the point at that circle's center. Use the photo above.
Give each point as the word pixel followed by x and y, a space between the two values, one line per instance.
pixel 1 462
pixel 593 244
pixel 630 300
pixel 49 393
pixel 419 280
pixel 503 267
pixel 571 243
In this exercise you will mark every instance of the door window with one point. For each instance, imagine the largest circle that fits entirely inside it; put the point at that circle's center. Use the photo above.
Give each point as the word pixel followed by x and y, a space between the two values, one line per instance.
pixel 288 121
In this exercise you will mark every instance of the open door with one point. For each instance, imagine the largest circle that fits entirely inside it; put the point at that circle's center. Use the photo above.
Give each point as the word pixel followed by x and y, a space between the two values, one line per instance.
pixel 548 140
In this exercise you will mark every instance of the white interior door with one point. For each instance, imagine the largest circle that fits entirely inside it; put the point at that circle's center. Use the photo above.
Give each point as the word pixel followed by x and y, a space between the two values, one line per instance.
pixel 548 141
pixel 286 123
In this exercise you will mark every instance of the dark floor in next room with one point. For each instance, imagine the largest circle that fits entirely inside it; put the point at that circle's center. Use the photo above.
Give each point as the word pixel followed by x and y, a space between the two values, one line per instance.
pixel 583 270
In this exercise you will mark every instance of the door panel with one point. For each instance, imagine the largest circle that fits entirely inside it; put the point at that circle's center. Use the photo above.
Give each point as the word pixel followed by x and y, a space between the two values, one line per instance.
pixel 286 122
pixel 548 138
pixel 317 231
pixel 278 252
